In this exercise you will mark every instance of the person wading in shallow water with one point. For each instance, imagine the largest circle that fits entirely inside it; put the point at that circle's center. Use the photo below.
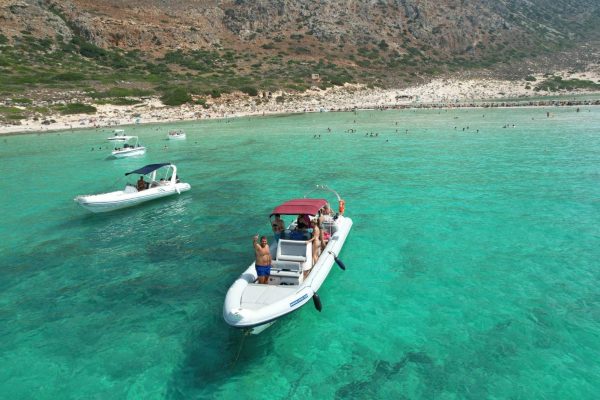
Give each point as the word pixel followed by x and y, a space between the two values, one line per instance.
pixel 263 259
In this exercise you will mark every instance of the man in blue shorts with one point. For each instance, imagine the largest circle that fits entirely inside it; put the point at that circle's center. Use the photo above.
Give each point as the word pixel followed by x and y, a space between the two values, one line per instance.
pixel 263 259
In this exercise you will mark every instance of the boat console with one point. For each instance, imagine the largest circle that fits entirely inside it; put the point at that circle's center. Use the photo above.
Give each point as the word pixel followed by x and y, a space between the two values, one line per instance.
pixel 292 258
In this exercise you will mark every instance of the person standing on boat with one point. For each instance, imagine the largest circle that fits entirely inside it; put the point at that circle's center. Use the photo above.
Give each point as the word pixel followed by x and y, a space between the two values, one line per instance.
pixel 303 222
pixel 278 227
pixel 263 259
pixel 316 241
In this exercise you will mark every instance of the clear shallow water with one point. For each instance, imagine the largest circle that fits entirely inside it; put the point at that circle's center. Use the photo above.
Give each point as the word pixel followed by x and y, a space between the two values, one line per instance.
pixel 472 265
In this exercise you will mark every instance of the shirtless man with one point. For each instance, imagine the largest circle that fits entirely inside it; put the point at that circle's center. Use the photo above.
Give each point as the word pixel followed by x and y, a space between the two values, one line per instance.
pixel 263 259
pixel 141 184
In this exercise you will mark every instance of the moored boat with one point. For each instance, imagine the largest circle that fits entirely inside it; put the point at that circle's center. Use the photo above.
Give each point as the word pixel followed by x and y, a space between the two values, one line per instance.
pixel 159 185
pixel 119 135
pixel 177 135
pixel 129 148
pixel 294 279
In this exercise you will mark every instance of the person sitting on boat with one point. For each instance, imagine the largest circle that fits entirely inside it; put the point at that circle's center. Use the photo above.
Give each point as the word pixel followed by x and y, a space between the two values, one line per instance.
pixel 278 227
pixel 326 214
pixel 141 184
pixel 303 222
pixel 316 241
pixel 263 259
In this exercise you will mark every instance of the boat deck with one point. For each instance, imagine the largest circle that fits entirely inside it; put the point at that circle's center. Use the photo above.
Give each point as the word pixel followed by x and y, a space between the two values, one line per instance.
pixel 256 296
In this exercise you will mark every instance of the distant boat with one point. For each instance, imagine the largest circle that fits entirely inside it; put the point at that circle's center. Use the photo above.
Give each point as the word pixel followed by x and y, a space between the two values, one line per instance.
pixel 118 135
pixel 130 148
pixel 177 135
pixel 294 279
pixel 130 196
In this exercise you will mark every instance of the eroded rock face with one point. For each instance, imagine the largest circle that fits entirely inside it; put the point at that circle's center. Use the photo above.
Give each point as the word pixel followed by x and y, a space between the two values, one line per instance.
pixel 31 17
pixel 437 28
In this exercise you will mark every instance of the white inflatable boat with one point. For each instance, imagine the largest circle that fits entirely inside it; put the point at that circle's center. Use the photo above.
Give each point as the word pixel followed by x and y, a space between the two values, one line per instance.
pixel 129 148
pixel 156 187
pixel 293 279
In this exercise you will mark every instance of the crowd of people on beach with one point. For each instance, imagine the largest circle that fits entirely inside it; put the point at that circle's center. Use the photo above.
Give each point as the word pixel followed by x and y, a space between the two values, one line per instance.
pixel 438 93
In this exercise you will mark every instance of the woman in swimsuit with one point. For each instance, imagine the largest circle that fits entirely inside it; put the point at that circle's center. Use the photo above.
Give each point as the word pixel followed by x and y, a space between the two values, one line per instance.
pixel 316 239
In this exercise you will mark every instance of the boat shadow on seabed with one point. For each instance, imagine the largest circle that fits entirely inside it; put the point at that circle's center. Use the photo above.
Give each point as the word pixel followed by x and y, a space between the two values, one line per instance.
pixel 215 354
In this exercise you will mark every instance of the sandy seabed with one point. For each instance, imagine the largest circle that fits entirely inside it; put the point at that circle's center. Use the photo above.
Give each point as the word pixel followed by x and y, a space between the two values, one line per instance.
pixel 436 93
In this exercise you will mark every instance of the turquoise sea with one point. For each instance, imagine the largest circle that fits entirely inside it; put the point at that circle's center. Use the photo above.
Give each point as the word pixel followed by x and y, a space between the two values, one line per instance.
pixel 473 265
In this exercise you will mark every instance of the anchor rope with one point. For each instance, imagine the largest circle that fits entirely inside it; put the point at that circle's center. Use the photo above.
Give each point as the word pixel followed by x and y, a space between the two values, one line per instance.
pixel 246 333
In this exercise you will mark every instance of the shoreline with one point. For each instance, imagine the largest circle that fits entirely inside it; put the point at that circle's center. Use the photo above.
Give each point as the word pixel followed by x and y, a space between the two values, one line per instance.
pixel 440 93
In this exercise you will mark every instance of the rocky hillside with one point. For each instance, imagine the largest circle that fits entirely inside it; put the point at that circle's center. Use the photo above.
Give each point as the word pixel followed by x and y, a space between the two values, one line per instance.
pixel 214 46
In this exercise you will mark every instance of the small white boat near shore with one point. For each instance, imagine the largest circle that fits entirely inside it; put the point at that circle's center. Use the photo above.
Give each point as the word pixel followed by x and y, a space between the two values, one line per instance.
pixel 129 148
pixel 156 187
pixel 294 280
pixel 177 135
pixel 119 135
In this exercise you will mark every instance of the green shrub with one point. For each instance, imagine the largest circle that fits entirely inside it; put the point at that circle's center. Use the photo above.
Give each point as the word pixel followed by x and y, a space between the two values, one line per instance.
pixel 215 93
pixel 121 92
pixel 297 87
pixel 202 102
pixel 176 97
pixel 9 110
pixel 556 83
pixel 69 77
pixel 300 50
pixel 3 39
pixel 250 91
pixel 21 100
pixel 157 69
pixel 91 51
pixel 77 108
pixel 530 78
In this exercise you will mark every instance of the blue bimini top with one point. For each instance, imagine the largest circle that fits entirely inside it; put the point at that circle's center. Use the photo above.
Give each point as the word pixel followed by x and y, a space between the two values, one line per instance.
pixel 147 169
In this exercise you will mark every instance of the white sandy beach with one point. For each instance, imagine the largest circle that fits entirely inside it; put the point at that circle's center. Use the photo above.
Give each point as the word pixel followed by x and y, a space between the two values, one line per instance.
pixel 438 92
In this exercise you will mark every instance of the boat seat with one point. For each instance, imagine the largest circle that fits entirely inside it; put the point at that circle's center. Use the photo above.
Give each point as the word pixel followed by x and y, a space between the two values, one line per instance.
pixel 284 266
pixel 291 250
pixel 285 273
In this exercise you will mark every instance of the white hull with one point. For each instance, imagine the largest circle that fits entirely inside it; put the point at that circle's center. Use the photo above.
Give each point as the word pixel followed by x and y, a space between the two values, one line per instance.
pixel 121 138
pixel 138 151
pixel 124 198
pixel 250 305
pixel 177 137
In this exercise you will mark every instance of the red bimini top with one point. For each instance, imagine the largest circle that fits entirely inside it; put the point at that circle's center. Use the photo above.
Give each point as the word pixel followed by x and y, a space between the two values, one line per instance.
pixel 300 206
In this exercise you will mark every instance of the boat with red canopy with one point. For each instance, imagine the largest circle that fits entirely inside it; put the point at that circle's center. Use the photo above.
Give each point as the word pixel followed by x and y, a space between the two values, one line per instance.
pixel 294 277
